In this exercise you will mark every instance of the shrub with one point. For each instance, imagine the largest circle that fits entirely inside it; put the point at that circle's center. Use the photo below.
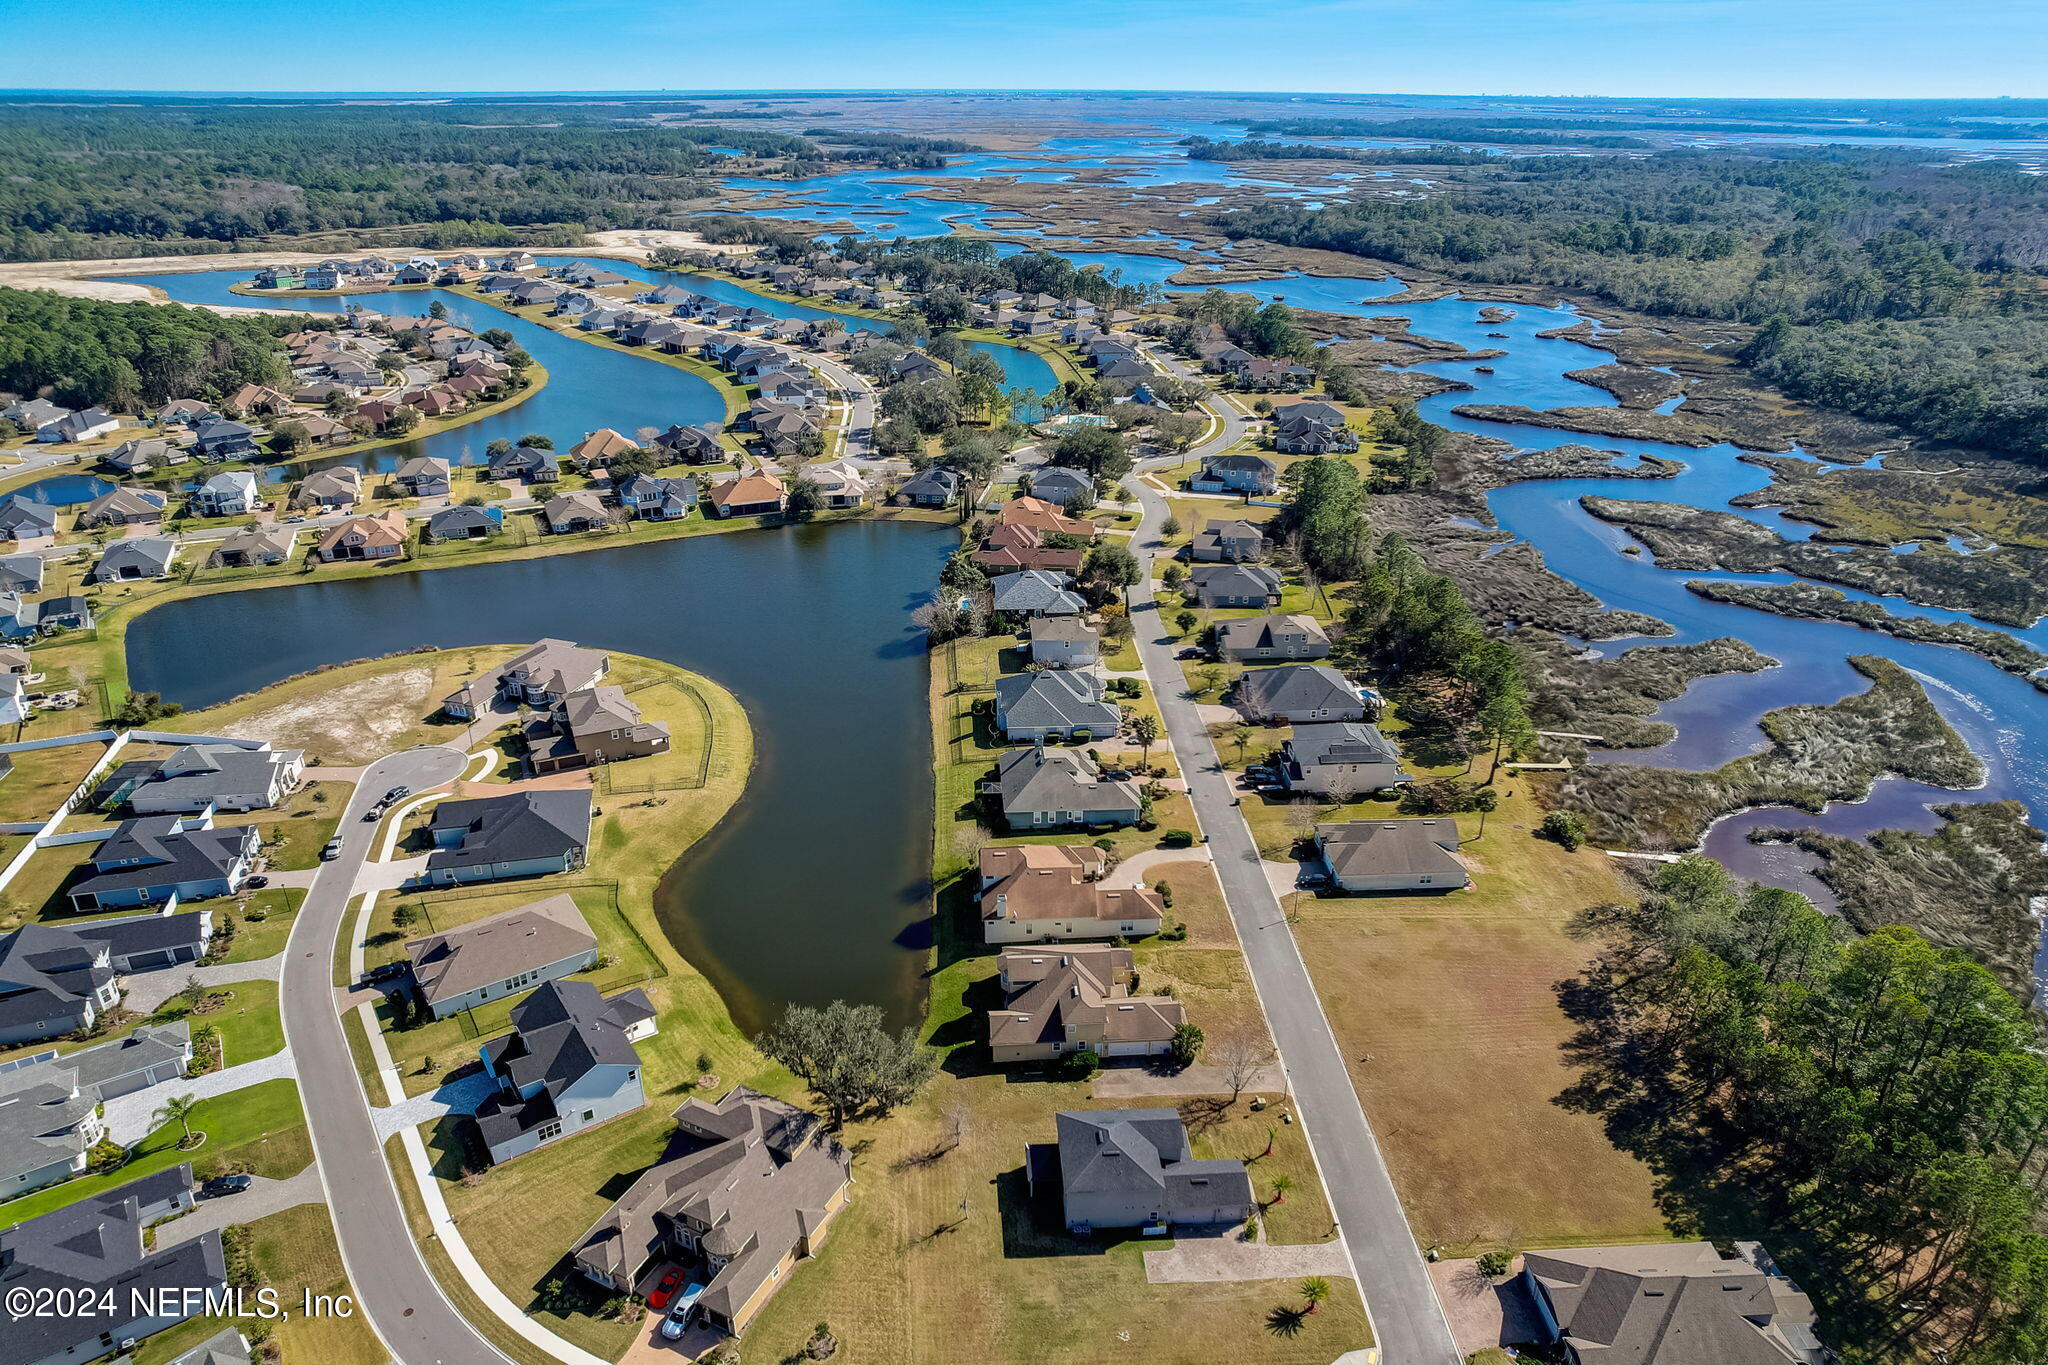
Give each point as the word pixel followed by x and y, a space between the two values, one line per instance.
pixel 1086 1062
pixel 1173 931
pixel 1177 838
pixel 1566 827
pixel 1187 1045
pixel 1494 1264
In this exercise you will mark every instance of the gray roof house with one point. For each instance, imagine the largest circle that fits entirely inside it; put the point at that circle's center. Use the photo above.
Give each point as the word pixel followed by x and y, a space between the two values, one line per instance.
pixel 500 956
pixel 49 1110
pixel 22 573
pixel 933 486
pixel 1056 484
pixel 158 858
pixel 123 506
pixel 229 493
pixel 1300 693
pixel 1673 1303
pixel 747 1188
pixel 1064 642
pixel 187 780
pixel 1272 637
pixel 225 1347
pixel 1128 1168
pixel 53 981
pixel 424 476
pixel 656 499
pixel 1311 429
pixel 1392 855
pixel 1055 705
pixel 1041 788
pixel 26 519
pixel 1235 585
pixel 1344 758
pixel 568 1064
pixel 523 834
pixel 1036 592
pixel 94 1250
pixel 1228 542
pixel 1236 474
pixel 248 546
pixel 463 523
pixel 137 558
pixel 542 675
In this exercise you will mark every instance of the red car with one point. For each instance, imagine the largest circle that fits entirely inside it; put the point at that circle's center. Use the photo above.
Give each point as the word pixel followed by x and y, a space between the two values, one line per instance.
pixel 663 1292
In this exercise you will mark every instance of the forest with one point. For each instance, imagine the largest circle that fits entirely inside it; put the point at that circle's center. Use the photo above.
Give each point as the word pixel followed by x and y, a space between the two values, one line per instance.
pixel 1884 285
pixel 133 357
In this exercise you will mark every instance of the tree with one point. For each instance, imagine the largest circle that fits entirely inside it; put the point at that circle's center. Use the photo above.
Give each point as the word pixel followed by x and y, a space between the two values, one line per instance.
pixel 1244 1055
pixel 847 1058
pixel 138 709
pixel 805 500
pixel 1079 503
pixel 1111 566
pixel 1176 431
pixel 1145 733
pixel 1170 529
pixel 178 1109
pixel 1566 827
pixel 1185 621
pixel 1314 1290
pixel 289 438
pixel 501 446
pixel 496 338
pixel 1240 738
pixel 1282 1183
pixel 1098 450
pixel 437 310
pixel 1186 1048
pixel 533 440
pixel 1325 514
pixel 402 419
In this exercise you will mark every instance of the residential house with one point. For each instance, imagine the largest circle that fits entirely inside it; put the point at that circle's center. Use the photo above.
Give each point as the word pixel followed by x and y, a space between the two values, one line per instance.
pixel 598 446
pixel 842 484
pixel 753 494
pixel 231 493
pixel 58 613
pixel 1269 376
pixel 580 510
pixel 1017 548
pixel 317 277
pixel 221 439
pixel 139 457
pixel 1341 758
pixel 1272 637
pixel 128 560
pixel 260 399
pixel 424 476
pixel 1064 642
pixel 568 1064
pixel 1392 855
pixel 748 1187
pixel 503 955
pixel 1228 542
pixel 1235 585
pixel 1062 1000
pixel 1035 593
pixel 657 499
pixel 1670 1303
pixel 523 464
pixel 914 365
pixel 93 1253
pixel 541 675
pixel 158 858
pixel 225 1347
pixel 23 518
pixel 56 979
pixel 379 536
pixel 1312 429
pixel 1039 515
pixel 595 726
pixel 31 415
pixel 1134 1168
pixel 50 1116
pixel 1058 485
pixel 1055 705
pixel 1041 788
pixel 464 523
pixel 249 546
pixel 783 431
pixel 1301 693
pixel 691 445
pixel 330 490
pixel 123 506
pixel 522 834
pixel 15 706
pixel 86 425
pixel 932 486
pixel 1252 475
pixel 183 412
pixel 1034 893
pixel 22 573
pixel 193 777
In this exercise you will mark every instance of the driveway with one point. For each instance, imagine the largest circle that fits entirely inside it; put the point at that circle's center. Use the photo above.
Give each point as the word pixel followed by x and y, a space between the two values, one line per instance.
pixel 260 1200
pixel 132 1117
pixel 459 1096
pixel 1484 1312
pixel 146 991
pixel 1133 1082
pixel 1220 1257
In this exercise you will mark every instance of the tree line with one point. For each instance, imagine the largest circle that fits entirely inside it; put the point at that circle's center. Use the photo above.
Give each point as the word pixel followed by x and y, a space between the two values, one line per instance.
pixel 133 357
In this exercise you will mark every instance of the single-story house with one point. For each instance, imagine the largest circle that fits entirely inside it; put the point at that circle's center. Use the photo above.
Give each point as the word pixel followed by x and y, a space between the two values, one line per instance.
pixel 1036 592
pixel 598 446
pixel 26 519
pixel 1235 585
pixel 568 1064
pixel 1299 694
pixel 1392 855
pixel 139 457
pixel 1034 893
pixel 381 536
pixel 156 858
pixel 506 954
pixel 754 494
pixel 840 481
pixel 1671 1303
pixel 933 486
pixel 1134 1168
pixel 22 573
pixel 580 510
pixel 522 834
pixel 1055 704
pixel 84 425
pixel 227 777
pixel 123 506
pixel 50 1110
pixel 464 523
pixel 1041 788
pixel 330 490
pixel 143 557
pixel 251 545
pixel 1076 998
pixel 523 464
pixel 1272 637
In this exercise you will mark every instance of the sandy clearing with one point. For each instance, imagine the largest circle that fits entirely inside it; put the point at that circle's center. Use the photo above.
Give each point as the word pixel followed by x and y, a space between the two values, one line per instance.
pixel 353 723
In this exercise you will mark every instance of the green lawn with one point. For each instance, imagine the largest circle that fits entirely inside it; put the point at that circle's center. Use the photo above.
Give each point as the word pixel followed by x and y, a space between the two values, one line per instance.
pixel 256 939
pixel 249 1022
pixel 294 833
pixel 42 778
pixel 249 1124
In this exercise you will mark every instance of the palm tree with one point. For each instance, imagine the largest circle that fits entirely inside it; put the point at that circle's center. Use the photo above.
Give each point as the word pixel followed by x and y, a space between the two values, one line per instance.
pixel 1281 1185
pixel 1315 1289
pixel 177 1109
pixel 1145 730
pixel 1240 735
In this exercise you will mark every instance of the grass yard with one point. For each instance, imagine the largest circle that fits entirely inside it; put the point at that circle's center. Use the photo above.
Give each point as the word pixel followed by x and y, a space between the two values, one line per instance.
pixel 256 939
pixel 257 1125
pixel 42 778
pixel 250 1024
pixel 38 892
pixel 293 1251
pixel 294 833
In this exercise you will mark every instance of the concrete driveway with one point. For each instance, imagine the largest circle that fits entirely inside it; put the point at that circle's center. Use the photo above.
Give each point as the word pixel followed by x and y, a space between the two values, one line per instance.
pixel 144 992
pixel 260 1200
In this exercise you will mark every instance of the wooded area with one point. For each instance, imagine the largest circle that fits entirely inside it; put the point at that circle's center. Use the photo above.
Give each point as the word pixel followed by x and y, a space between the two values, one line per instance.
pixel 133 357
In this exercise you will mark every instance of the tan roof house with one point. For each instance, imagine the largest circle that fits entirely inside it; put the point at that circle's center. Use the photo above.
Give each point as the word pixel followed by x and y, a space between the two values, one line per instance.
pixel 366 537
pixel 748 1187
pixel 751 494
pixel 599 446
pixel 594 726
pixel 1032 893
pixel 1076 999
pixel 503 955
pixel 330 489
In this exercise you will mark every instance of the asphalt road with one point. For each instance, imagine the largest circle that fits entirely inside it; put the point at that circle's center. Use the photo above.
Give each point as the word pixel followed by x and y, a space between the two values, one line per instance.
pixel 1391 1273
pixel 392 1283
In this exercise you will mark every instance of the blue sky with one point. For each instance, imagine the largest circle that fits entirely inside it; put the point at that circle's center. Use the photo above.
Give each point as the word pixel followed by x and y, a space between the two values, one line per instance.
pixel 1899 48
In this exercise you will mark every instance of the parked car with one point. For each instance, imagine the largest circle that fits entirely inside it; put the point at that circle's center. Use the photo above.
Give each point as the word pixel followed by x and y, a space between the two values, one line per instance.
pixel 383 971
pixel 256 883
pixel 398 791
pixel 332 851
pixel 671 1280
pixel 1191 652
pixel 222 1185
pixel 679 1314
